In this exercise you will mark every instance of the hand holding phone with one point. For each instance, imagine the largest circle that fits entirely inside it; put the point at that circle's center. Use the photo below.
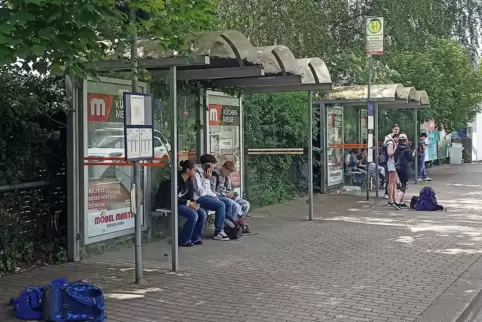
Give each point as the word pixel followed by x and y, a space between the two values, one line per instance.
pixel 208 173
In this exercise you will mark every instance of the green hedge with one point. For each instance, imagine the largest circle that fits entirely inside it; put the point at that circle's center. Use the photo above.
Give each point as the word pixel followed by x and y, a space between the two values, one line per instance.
pixel 32 149
pixel 275 121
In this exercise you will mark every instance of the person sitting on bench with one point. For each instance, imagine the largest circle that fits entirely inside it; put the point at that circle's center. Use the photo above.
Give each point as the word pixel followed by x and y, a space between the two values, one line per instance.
pixel 370 166
pixel 205 196
pixel 221 185
pixel 196 217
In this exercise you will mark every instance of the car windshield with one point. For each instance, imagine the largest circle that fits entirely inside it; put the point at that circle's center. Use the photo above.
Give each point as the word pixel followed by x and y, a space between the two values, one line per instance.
pixel 112 142
pixel 100 135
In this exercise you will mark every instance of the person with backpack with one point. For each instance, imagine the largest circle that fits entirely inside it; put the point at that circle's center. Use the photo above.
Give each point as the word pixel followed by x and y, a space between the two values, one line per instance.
pixel 403 164
pixel 207 198
pixel 392 177
pixel 382 154
pixel 421 147
pixel 191 233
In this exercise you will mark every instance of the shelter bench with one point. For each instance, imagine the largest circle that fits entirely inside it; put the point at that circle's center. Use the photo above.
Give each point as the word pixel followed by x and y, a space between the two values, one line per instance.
pixel 368 185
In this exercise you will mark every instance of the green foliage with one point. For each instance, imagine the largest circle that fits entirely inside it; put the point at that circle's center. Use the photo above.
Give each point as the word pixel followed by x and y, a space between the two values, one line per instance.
pixel 274 121
pixel 334 30
pixel 50 34
pixel 446 72
pixel 31 229
pixel 32 148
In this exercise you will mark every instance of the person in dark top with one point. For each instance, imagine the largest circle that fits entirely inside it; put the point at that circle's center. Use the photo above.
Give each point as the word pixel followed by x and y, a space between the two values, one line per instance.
pixel 187 207
pixel 403 164
pixel 196 217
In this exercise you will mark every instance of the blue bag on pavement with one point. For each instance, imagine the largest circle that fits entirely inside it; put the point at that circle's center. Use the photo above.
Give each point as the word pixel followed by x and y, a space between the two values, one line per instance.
pixel 28 306
pixel 79 301
pixel 427 201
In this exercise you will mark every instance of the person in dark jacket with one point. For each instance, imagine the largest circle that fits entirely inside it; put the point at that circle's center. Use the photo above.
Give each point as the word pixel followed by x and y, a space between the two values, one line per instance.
pixel 403 163
pixel 187 207
pixel 196 217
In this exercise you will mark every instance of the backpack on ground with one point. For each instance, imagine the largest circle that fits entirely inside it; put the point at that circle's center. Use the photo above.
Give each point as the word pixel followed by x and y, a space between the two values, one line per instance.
pixel 78 301
pixel 413 202
pixel 232 228
pixel 427 201
pixel 28 306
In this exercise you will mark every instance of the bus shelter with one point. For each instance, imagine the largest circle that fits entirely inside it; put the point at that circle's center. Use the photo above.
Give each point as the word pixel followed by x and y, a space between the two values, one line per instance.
pixel 333 127
pixel 98 207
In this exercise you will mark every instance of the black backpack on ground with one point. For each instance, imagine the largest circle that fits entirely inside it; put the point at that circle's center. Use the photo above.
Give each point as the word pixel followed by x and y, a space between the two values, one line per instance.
pixel 233 229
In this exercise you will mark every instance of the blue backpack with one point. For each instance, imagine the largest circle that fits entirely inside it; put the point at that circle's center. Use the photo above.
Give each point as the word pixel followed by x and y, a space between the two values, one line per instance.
pixel 427 201
pixel 79 301
pixel 28 306
pixel 383 154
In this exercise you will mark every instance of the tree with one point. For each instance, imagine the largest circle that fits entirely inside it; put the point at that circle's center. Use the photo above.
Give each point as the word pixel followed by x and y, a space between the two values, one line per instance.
pixel 48 34
pixel 446 72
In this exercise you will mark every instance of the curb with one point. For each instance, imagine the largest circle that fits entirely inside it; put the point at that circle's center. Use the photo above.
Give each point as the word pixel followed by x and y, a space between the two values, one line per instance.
pixel 473 309
pixel 461 301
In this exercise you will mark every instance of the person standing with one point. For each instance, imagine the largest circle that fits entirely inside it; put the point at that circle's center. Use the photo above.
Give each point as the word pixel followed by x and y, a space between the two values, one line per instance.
pixel 403 163
pixel 391 136
pixel 421 148
pixel 392 173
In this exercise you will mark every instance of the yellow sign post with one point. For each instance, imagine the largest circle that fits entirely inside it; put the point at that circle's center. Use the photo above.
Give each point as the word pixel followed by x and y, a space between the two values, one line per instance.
pixel 374 35
pixel 374 46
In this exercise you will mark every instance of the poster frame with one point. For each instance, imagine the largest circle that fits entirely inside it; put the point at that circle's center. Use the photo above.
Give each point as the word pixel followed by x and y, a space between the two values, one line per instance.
pixel 84 182
pixel 207 133
pixel 342 180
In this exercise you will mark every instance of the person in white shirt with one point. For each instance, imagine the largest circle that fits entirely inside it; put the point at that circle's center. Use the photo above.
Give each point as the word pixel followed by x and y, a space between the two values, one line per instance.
pixel 391 136
pixel 205 196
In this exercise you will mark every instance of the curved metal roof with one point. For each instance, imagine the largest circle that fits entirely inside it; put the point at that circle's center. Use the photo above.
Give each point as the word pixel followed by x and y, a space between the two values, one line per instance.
pixel 229 58
pixel 390 93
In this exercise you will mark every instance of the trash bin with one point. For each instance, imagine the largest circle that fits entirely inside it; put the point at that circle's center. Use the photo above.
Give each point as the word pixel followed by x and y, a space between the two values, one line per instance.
pixel 455 153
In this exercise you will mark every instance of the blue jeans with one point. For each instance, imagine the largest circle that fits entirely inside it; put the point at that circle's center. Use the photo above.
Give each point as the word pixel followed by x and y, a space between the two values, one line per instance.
pixel 213 204
pixel 233 209
pixel 422 174
pixel 245 205
pixel 193 228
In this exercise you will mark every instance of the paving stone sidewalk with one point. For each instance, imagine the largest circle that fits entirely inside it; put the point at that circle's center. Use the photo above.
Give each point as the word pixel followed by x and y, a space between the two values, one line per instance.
pixel 358 261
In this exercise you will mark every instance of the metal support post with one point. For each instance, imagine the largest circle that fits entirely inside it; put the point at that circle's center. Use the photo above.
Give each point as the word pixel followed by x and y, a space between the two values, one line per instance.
pixel 73 177
pixel 377 164
pixel 369 129
pixel 137 164
pixel 324 149
pixel 174 174
pixel 415 140
pixel 310 155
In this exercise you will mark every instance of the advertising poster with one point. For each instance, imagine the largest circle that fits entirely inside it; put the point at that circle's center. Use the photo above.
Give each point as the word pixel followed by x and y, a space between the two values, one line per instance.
pixel 433 137
pixel 335 143
pixel 109 208
pixel 109 184
pixel 363 125
pixel 224 134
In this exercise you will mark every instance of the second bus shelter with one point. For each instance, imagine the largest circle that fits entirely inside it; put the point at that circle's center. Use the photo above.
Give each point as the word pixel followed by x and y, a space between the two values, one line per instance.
pixel 333 126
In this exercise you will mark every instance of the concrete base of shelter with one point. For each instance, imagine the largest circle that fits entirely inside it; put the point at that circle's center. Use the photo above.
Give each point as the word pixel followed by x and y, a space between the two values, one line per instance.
pixel 358 261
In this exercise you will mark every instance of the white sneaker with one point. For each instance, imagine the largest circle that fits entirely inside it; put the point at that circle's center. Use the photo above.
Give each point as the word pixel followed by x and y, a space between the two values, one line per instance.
pixel 385 196
pixel 427 179
pixel 221 235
